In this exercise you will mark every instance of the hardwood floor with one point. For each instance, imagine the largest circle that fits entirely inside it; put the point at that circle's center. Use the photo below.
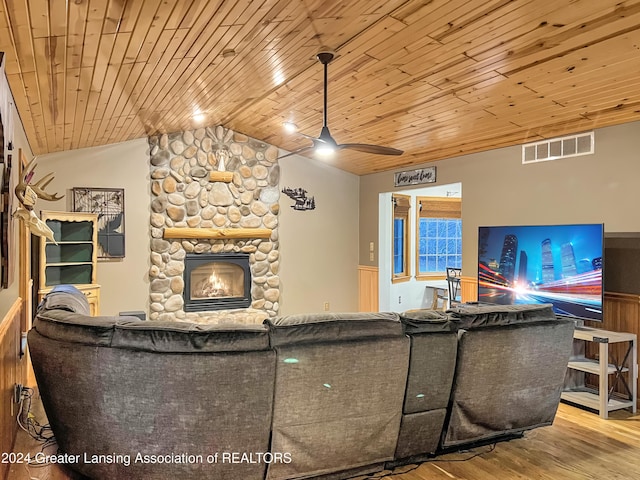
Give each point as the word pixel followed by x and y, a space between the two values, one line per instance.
pixel 578 446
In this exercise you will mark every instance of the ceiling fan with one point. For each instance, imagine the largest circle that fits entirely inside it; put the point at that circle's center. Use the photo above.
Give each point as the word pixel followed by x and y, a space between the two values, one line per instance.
pixel 325 144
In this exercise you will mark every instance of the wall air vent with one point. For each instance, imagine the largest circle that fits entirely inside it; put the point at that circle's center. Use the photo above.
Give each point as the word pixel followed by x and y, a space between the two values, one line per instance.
pixel 556 148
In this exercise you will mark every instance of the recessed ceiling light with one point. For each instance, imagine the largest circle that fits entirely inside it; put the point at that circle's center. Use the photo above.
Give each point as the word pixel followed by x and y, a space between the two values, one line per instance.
pixel 290 127
pixel 198 116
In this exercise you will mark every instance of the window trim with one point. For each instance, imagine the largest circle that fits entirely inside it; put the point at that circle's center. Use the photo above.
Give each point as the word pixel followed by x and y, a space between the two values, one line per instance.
pixel 442 207
pixel 401 206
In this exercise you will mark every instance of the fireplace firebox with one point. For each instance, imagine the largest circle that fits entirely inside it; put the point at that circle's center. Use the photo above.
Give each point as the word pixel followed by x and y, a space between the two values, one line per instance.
pixel 216 281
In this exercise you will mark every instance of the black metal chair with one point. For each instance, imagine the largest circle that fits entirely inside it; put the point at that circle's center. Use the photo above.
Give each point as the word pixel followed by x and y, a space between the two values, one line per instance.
pixel 453 279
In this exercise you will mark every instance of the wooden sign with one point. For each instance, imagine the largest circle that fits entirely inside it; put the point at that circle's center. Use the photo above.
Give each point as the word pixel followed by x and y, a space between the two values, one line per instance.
pixel 415 177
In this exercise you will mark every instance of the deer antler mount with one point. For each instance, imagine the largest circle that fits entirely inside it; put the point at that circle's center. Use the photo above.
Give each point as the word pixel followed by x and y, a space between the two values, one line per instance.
pixel 28 194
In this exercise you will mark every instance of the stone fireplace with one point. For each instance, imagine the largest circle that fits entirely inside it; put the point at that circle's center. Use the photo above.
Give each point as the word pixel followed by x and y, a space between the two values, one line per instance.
pixel 216 281
pixel 213 192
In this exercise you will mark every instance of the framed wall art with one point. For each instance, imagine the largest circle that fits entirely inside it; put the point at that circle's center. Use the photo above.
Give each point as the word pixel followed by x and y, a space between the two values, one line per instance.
pixel 108 203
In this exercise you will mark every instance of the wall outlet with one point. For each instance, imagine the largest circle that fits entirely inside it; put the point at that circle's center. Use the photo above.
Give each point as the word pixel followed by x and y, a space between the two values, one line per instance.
pixel 371 257
pixel 17 393
pixel 326 306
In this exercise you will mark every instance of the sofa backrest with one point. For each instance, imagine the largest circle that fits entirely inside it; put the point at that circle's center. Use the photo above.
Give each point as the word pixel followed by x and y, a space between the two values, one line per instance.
pixel 340 381
pixel 122 385
pixel 432 364
pixel 510 371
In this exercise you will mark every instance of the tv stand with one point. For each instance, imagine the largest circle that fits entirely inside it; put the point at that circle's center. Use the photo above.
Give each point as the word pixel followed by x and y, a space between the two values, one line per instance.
pixel 582 327
pixel 604 400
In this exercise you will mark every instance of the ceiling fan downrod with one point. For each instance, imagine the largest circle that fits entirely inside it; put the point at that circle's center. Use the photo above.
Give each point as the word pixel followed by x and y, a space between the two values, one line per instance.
pixel 324 57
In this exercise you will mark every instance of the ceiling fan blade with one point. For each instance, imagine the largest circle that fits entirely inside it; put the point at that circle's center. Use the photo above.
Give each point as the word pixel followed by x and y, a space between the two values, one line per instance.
pixel 324 138
pixel 296 152
pixel 313 139
pixel 374 149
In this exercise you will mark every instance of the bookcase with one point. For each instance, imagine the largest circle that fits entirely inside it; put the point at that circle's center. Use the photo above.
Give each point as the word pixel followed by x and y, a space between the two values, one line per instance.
pixel 72 258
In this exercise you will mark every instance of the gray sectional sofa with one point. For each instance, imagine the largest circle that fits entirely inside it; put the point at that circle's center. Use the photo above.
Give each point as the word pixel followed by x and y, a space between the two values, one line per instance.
pixel 325 396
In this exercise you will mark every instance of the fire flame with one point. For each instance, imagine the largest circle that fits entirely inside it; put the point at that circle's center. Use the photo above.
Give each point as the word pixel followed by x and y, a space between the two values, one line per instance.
pixel 215 282
pixel 212 287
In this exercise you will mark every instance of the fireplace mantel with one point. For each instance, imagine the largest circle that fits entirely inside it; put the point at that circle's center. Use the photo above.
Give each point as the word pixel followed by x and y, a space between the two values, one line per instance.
pixel 217 233
pixel 225 177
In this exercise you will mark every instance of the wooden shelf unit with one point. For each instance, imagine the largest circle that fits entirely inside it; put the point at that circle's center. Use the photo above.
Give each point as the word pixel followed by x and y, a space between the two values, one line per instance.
pixel 72 259
pixel 603 400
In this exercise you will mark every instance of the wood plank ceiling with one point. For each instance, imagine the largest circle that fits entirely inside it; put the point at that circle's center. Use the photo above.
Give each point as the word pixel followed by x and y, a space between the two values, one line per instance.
pixel 435 78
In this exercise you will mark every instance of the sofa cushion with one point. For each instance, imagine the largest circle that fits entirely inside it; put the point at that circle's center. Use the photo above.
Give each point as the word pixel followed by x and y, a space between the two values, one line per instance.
pixel 474 316
pixel 330 327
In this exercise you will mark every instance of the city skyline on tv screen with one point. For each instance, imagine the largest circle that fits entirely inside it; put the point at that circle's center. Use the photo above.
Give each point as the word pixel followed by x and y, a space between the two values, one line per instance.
pixel 558 264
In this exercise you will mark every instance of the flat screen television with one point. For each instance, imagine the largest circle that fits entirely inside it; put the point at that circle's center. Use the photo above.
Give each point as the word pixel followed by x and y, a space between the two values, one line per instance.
pixel 557 264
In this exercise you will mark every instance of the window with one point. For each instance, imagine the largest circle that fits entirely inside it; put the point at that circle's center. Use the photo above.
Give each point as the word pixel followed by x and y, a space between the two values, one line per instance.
pixel 401 206
pixel 439 235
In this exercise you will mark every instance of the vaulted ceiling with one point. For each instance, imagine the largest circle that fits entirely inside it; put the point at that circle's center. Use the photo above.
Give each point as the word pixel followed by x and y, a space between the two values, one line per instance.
pixel 435 78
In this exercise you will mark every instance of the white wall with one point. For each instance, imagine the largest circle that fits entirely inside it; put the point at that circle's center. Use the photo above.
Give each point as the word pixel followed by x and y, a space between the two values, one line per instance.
pixel 319 248
pixel 396 297
pixel 124 282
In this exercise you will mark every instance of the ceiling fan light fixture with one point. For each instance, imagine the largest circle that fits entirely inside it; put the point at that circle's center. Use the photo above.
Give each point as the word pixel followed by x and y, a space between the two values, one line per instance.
pixel 324 145
pixel 324 150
